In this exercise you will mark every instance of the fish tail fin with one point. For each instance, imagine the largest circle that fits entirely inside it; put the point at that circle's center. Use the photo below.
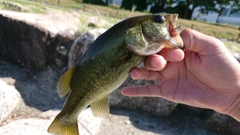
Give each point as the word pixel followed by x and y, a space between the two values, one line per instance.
pixel 63 129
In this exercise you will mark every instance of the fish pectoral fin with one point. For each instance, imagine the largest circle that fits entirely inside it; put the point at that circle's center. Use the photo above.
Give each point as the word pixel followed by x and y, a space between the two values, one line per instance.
pixel 122 59
pixel 63 86
pixel 100 108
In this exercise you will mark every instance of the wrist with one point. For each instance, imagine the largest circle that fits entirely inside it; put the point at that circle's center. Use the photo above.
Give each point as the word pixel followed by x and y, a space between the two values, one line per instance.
pixel 235 109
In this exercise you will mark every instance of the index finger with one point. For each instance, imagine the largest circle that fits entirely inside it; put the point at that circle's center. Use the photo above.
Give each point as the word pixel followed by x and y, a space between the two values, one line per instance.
pixel 201 43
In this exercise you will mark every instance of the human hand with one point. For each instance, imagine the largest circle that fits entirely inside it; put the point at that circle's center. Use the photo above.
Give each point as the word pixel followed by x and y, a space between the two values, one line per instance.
pixel 207 77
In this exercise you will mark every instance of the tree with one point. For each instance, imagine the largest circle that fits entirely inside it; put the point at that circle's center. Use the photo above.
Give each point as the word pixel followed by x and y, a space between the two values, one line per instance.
pixel 128 4
pixel 185 8
pixel 235 6
pixel 158 5
pixel 206 6
pixel 96 2
pixel 141 5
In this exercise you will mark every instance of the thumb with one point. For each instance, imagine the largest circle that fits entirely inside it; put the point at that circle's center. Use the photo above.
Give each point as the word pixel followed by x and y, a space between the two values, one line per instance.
pixel 201 43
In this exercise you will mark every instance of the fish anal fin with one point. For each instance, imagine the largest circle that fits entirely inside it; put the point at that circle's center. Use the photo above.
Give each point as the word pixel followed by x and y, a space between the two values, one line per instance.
pixel 63 128
pixel 100 108
pixel 63 86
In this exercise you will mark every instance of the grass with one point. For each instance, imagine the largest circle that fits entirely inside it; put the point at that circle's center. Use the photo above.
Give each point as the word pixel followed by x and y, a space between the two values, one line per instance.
pixel 29 6
pixel 233 46
pixel 113 14
pixel 110 11
pixel 219 31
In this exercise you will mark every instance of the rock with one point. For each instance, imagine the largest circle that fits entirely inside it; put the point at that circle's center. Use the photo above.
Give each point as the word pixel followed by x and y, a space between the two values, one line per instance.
pixel 32 42
pixel 223 124
pixel 87 123
pixel 132 122
pixel 27 126
pixel 38 92
pixel 97 22
pixel 9 101
pixel 156 106
pixel 38 125
pixel 81 44
pixel 13 6
pixel 37 89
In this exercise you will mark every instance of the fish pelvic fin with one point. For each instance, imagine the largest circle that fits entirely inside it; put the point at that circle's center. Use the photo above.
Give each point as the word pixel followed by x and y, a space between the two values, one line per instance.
pixel 63 86
pixel 100 108
pixel 60 128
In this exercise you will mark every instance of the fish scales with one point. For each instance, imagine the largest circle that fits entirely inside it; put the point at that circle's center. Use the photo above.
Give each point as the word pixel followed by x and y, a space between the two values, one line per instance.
pixel 106 65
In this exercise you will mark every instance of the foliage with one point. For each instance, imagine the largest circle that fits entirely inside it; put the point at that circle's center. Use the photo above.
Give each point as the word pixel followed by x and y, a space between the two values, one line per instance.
pixel 114 14
pixel 158 5
pixel 184 8
pixel 129 4
pixel 235 6
pixel 214 5
pixel 96 2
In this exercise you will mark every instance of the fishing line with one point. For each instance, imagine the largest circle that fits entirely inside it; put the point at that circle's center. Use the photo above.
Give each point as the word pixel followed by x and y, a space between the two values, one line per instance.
pixel 85 128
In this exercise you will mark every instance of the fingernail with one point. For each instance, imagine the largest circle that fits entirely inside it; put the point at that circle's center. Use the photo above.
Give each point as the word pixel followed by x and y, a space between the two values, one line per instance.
pixel 154 62
pixel 135 73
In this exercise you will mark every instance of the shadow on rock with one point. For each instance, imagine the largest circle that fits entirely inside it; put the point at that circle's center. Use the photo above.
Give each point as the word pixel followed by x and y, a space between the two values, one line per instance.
pixel 37 89
pixel 182 121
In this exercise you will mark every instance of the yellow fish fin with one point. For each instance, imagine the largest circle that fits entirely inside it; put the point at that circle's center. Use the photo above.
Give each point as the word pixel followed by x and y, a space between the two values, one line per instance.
pixel 100 108
pixel 63 128
pixel 63 86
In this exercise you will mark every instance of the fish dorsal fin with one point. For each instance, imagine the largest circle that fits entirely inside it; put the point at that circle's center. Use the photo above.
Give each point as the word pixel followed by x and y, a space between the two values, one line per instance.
pixel 100 108
pixel 63 86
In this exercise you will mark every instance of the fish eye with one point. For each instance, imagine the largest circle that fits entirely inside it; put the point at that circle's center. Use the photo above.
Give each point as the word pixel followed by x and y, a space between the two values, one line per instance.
pixel 159 19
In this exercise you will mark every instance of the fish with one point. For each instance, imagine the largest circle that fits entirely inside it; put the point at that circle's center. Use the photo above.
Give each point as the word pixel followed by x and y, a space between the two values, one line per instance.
pixel 107 63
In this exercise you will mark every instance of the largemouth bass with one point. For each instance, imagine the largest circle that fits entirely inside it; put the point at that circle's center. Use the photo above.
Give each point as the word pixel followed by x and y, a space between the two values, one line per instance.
pixel 106 65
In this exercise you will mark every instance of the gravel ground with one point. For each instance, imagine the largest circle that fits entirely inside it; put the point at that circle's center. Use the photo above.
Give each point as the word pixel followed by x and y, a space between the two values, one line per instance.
pixel 129 122
pixel 39 99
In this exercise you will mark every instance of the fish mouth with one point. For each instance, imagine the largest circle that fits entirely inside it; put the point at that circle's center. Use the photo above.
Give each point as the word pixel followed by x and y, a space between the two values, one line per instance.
pixel 174 39
pixel 151 43
pixel 170 40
